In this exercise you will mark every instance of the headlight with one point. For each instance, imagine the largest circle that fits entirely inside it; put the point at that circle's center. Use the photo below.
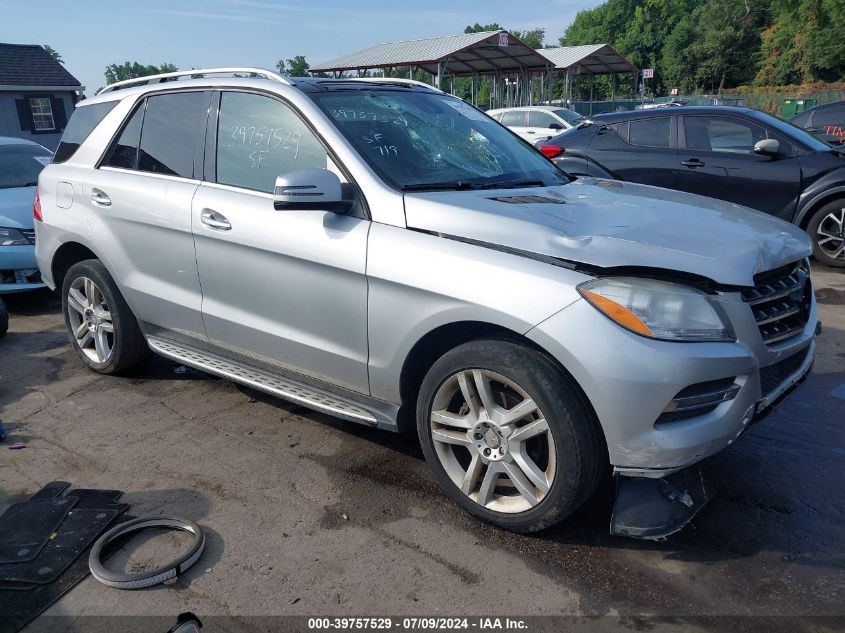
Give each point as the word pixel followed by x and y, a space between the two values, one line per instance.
pixel 12 237
pixel 656 309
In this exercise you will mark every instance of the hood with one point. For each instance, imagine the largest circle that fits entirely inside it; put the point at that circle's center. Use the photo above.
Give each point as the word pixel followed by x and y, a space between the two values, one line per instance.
pixel 16 207
pixel 608 223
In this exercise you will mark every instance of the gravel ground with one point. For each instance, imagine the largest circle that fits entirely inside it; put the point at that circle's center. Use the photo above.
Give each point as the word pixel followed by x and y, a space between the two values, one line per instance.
pixel 308 515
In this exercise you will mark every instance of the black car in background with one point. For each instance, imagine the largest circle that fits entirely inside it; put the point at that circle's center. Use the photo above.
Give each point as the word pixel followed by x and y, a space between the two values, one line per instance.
pixel 825 121
pixel 736 154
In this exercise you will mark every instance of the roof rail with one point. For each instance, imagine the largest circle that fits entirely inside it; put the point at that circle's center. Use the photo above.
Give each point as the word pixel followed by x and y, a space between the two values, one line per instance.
pixel 150 79
pixel 392 80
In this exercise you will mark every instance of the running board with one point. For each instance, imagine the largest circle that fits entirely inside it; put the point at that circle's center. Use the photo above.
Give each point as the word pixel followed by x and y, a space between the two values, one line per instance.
pixel 262 380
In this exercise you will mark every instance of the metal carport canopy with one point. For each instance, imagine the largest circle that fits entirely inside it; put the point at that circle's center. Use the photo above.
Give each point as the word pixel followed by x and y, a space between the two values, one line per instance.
pixel 488 52
pixel 593 59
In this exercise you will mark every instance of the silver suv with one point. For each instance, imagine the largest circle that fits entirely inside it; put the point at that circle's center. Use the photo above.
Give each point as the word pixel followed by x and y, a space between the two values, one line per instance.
pixel 386 253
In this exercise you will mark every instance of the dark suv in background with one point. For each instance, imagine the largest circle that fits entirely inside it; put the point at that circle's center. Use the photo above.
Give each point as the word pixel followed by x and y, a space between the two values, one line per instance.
pixel 735 154
pixel 825 121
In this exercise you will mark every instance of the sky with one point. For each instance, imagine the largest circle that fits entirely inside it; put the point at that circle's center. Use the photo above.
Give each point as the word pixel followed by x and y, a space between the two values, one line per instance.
pixel 201 34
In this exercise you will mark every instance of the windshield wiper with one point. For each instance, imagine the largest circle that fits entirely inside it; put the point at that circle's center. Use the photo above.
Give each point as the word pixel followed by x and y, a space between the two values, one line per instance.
pixel 513 184
pixel 458 185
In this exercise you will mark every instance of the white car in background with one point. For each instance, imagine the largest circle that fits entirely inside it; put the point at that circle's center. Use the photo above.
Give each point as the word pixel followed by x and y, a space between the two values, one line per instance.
pixel 536 123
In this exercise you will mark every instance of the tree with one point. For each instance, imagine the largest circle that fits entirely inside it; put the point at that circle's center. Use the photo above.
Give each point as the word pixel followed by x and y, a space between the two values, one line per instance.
pixel 533 38
pixel 296 67
pixel 52 52
pixel 480 28
pixel 133 70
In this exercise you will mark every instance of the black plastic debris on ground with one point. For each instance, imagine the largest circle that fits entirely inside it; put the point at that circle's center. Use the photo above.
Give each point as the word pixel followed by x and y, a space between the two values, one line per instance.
pixel 33 583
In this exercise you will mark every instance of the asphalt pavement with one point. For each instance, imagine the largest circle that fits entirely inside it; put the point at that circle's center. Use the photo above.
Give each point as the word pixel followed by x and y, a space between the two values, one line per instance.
pixel 308 515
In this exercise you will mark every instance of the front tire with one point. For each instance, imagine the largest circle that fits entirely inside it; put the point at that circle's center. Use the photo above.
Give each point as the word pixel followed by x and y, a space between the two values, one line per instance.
pixel 102 329
pixel 508 435
pixel 827 230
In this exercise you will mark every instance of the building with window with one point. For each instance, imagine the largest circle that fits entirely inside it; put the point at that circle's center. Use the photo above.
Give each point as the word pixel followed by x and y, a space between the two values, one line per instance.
pixel 37 94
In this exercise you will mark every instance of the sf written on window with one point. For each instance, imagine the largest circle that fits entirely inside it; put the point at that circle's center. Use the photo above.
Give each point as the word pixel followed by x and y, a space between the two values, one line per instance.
pixel 259 139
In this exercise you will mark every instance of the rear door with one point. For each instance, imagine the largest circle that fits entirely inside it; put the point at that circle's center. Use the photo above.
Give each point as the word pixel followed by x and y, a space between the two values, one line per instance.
pixel 517 122
pixel 718 160
pixel 284 287
pixel 640 150
pixel 138 203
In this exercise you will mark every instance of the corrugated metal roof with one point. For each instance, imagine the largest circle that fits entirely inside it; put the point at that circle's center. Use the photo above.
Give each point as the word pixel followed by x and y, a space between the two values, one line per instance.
pixel 485 52
pixel 590 58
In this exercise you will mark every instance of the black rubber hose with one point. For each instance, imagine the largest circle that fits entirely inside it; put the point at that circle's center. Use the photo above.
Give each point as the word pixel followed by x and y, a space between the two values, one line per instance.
pixel 156 576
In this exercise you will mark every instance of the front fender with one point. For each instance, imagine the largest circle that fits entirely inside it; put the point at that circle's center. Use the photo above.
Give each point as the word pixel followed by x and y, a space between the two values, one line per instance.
pixel 420 281
pixel 828 187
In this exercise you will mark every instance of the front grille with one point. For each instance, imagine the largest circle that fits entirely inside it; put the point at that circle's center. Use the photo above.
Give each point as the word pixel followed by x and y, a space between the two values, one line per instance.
pixel 29 234
pixel 780 302
pixel 774 375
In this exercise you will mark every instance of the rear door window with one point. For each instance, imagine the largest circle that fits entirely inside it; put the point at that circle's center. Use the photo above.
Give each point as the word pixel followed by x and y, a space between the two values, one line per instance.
pixel 513 119
pixel 82 122
pixel 259 139
pixel 652 132
pixel 124 150
pixel 170 133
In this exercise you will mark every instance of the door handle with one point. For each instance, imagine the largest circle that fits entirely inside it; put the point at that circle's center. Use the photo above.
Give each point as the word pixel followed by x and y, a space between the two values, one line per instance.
pixel 529 131
pixel 692 162
pixel 215 220
pixel 99 197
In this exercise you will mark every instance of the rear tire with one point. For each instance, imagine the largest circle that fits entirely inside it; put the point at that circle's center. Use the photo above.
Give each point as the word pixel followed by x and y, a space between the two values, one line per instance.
pixel 102 329
pixel 509 435
pixel 827 230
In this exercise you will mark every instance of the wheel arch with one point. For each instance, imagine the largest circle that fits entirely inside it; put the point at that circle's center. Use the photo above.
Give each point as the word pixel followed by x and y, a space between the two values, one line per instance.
pixel 432 345
pixel 817 202
pixel 67 255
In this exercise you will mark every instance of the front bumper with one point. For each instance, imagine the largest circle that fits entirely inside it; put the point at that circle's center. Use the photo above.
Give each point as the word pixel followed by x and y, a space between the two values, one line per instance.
pixel 630 380
pixel 18 269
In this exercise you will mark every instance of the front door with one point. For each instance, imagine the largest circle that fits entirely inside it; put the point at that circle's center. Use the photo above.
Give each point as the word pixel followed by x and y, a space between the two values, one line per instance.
pixel 717 159
pixel 284 287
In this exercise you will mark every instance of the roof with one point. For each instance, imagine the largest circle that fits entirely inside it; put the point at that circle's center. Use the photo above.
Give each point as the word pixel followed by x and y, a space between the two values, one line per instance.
pixel 31 65
pixel 546 108
pixel 626 115
pixel 467 53
pixel 596 59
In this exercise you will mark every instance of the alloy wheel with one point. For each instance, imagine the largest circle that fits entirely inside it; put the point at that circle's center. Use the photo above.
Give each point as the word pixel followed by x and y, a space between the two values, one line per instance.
pixel 830 234
pixel 493 441
pixel 90 320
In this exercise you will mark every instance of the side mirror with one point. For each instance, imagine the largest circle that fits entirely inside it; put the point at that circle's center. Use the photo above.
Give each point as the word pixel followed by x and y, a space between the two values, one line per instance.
pixel 317 189
pixel 767 147
pixel 555 126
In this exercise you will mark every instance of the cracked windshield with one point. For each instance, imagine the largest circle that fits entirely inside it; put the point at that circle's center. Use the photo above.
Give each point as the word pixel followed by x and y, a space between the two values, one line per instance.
pixel 425 142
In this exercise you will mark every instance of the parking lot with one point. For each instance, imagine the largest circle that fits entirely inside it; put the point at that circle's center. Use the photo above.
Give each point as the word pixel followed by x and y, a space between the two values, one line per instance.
pixel 306 514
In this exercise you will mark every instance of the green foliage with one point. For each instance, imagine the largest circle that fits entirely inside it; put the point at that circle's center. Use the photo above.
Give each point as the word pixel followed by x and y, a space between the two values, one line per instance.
pixel 709 45
pixel 296 67
pixel 533 38
pixel 479 28
pixel 52 52
pixel 133 70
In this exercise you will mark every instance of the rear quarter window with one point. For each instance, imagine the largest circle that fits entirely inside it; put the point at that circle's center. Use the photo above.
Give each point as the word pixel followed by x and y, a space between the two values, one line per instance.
pixel 82 122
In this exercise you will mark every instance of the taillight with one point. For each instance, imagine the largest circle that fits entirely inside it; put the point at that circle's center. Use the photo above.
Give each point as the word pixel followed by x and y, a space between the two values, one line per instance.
pixel 36 207
pixel 550 151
